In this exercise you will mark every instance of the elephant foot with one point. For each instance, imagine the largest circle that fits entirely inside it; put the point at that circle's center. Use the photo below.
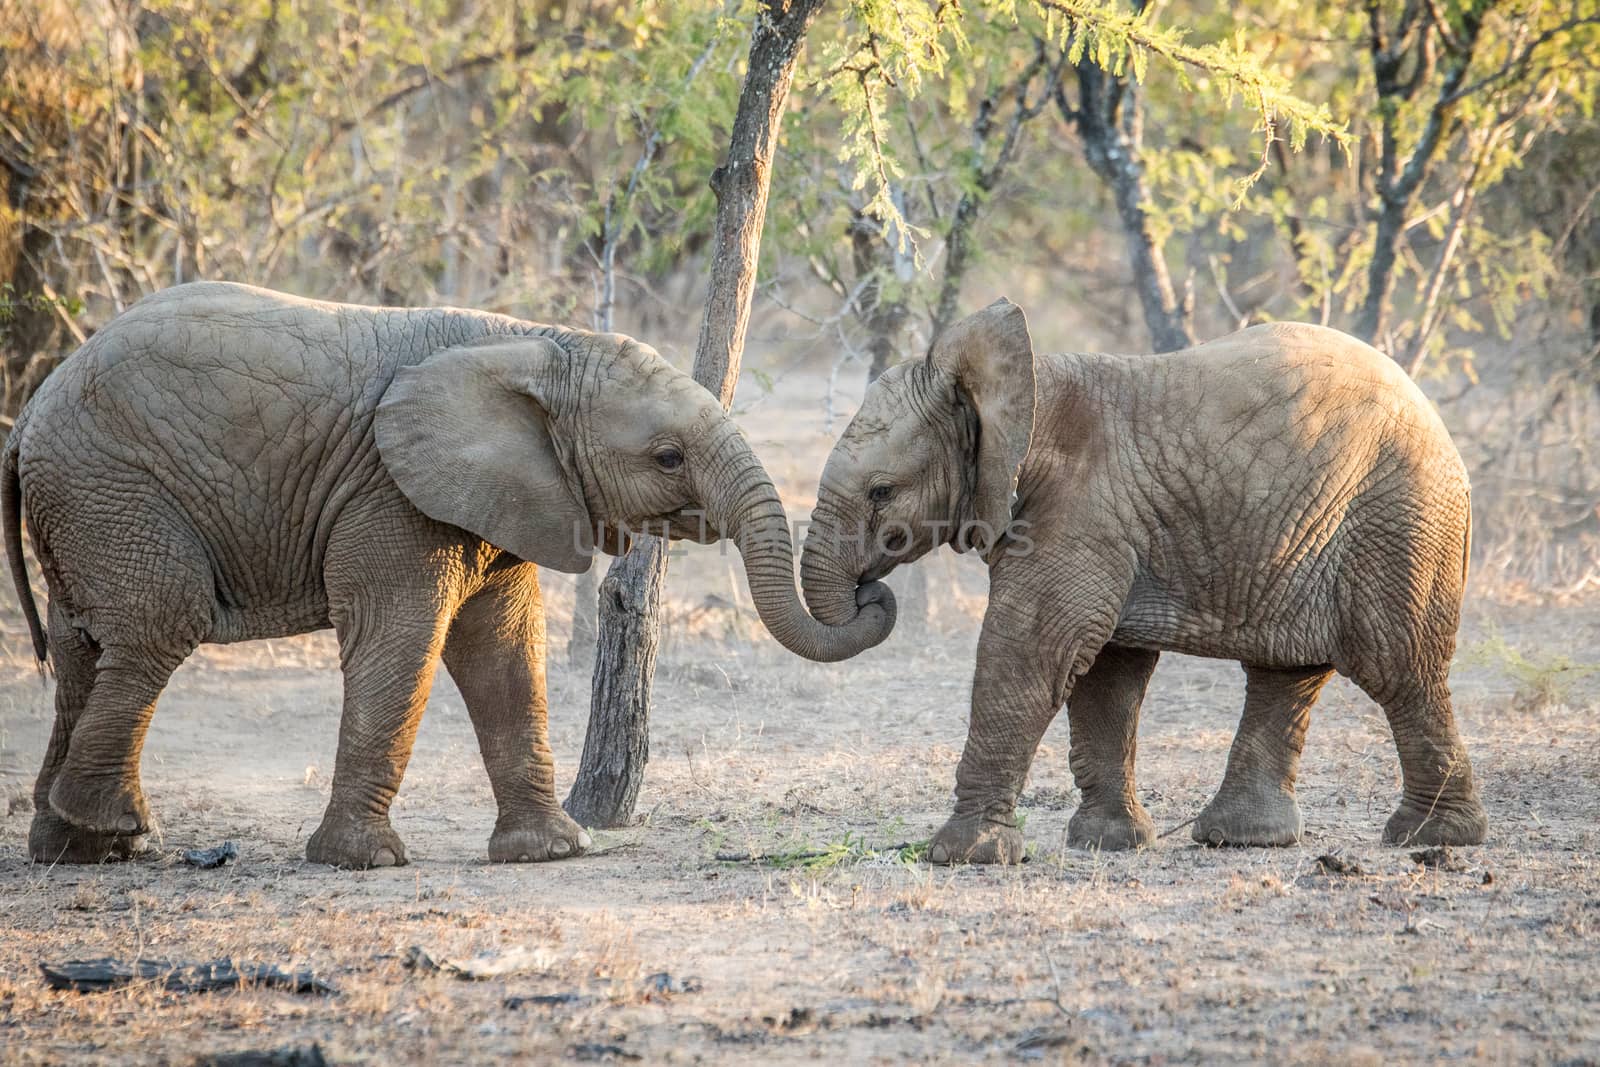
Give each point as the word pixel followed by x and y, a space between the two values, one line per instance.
pixel 1250 817
pixel 536 838
pixel 1415 824
pixel 355 844
pixel 52 839
pixel 1110 829
pixel 105 804
pixel 977 839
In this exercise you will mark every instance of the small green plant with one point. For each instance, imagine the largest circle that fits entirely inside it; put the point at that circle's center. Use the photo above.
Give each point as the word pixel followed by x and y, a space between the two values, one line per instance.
pixel 848 849
pixel 716 833
pixel 852 848
pixel 1542 681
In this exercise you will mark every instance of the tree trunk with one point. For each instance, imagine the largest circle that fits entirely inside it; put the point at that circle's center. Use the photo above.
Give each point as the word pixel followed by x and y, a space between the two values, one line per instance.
pixel 31 334
pixel 1402 59
pixel 1110 125
pixel 989 170
pixel 1373 319
pixel 617 744
pixel 877 258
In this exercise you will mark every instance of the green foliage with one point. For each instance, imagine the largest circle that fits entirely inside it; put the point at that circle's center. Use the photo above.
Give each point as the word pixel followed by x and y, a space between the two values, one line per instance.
pixel 849 850
pixel 892 46
pixel 1122 41
pixel 666 100
pixel 335 149
pixel 14 303
pixel 882 46
pixel 1300 243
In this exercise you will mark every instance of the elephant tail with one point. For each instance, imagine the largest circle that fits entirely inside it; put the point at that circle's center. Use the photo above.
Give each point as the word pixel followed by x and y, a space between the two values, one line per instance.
pixel 11 519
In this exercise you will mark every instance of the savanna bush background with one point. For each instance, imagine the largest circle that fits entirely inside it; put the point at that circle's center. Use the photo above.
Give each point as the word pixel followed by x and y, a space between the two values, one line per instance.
pixel 545 159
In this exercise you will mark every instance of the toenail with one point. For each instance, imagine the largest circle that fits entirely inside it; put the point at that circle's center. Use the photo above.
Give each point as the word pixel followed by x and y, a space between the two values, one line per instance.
pixel 522 858
pixel 584 840
pixel 938 854
pixel 128 824
pixel 384 858
pixel 1215 837
pixel 560 848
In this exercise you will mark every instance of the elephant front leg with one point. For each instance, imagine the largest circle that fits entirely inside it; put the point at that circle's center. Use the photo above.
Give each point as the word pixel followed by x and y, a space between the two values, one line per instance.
pixel 1028 654
pixel 1104 715
pixel 389 655
pixel 495 652
pixel 1256 803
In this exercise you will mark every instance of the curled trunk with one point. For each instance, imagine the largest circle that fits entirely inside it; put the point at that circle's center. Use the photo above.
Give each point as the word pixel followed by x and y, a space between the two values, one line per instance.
pixel 745 508
pixel 829 581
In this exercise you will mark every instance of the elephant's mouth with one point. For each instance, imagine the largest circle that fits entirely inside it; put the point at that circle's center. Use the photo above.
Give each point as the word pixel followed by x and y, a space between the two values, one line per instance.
pixel 894 549
pixel 876 571
pixel 684 524
pixel 613 540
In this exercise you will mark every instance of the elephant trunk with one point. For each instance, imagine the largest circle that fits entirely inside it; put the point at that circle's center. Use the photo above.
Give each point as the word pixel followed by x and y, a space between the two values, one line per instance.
pixel 828 581
pixel 743 505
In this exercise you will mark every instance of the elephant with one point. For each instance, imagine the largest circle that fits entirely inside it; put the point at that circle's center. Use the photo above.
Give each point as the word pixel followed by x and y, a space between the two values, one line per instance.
pixel 1283 496
pixel 223 463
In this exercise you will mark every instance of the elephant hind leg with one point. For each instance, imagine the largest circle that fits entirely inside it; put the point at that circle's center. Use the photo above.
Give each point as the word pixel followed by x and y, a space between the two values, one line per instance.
pixel 145 597
pixel 73 654
pixel 1104 716
pixel 97 787
pixel 1403 611
pixel 52 839
pixel 1256 803
pixel 1439 796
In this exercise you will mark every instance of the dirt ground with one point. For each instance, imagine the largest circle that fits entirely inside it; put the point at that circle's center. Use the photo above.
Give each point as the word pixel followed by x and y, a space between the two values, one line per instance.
pixel 1176 953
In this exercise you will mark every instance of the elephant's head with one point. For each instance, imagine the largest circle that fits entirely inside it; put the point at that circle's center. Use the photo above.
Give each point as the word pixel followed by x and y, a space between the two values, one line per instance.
pixel 551 446
pixel 931 457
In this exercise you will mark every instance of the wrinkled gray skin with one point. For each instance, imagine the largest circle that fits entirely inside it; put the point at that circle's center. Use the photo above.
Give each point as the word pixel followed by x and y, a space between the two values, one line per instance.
pixel 1283 496
pixel 223 463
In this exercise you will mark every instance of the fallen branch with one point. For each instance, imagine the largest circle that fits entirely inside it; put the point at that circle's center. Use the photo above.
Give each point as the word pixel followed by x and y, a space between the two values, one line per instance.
pixel 98 975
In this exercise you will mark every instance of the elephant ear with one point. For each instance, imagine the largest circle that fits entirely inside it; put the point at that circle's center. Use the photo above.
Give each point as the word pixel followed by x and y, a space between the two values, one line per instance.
pixel 466 435
pixel 990 356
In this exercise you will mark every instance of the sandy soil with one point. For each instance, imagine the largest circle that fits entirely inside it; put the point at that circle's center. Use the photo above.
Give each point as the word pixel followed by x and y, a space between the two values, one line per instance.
pixel 1176 953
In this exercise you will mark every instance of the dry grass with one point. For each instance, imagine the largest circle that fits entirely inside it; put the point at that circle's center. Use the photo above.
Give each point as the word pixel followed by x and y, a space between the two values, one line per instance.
pixel 1174 953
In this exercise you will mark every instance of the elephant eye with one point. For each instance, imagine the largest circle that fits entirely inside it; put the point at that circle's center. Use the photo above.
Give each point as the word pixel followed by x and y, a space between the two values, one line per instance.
pixel 879 494
pixel 669 459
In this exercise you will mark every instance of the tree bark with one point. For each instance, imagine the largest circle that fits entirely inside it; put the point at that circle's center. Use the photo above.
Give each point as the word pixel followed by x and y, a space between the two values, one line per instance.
pixel 616 747
pixel 1413 38
pixel 30 329
pixel 989 171
pixel 1110 125
pixel 877 258
pixel 617 744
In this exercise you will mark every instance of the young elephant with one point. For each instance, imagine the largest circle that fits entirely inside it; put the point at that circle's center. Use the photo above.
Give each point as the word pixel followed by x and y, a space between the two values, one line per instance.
pixel 224 463
pixel 1284 496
